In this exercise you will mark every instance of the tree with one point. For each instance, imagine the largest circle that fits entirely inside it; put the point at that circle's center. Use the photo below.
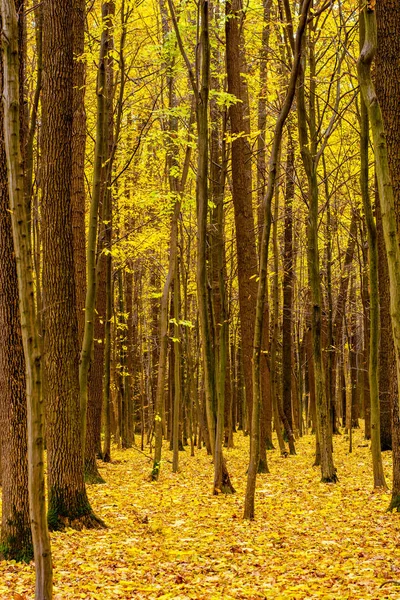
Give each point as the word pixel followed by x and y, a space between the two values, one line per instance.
pixel 288 283
pixel 16 537
pixel 385 188
pixel 68 502
pixel 20 226
pixel 373 373
pixel 241 157
pixel 387 90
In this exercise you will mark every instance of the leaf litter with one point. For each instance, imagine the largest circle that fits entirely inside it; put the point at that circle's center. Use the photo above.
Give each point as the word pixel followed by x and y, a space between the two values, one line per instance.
pixel 172 539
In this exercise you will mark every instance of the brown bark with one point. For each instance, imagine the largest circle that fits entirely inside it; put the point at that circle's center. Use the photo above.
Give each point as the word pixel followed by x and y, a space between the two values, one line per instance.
pixel 288 281
pixel 387 63
pixel 130 353
pixel 95 388
pixel 387 359
pixel 242 195
pixel 68 502
pixel 15 538
pixel 337 330
pixel 78 161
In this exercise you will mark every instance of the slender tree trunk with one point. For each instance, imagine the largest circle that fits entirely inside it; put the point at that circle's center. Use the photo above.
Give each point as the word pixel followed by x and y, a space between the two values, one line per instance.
pixel 365 293
pixel 337 331
pixel 107 340
pixel 275 329
pixel 310 160
pixel 130 354
pixel 379 477
pixel 201 93
pixel 288 281
pixel 177 370
pixel 159 408
pixel 99 159
pixel 266 413
pixel 95 389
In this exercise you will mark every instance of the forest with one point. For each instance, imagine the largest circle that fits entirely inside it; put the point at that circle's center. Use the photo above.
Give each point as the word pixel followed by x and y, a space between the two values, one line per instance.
pixel 200 299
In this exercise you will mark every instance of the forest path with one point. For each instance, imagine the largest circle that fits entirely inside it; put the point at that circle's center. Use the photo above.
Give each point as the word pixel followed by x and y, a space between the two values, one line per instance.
pixel 173 540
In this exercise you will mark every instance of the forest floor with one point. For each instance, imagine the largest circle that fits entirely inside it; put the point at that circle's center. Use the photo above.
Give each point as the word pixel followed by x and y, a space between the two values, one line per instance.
pixel 174 540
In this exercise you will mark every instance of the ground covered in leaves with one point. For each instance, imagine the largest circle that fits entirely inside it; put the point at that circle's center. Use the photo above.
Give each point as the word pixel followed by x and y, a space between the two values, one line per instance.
pixel 173 540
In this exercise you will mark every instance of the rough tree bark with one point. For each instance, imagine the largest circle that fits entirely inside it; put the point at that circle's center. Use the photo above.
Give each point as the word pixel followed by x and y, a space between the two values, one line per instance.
pixel 242 193
pixel 78 160
pixel 98 171
pixel 388 90
pixel 15 537
pixel 385 188
pixel 68 502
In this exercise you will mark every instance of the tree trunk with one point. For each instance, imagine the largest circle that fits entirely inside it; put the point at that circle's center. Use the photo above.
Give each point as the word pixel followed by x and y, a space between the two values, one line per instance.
pixel 68 502
pixel 310 156
pixel 242 194
pixel 379 477
pixel 386 358
pixel 95 390
pixel 98 170
pixel 16 537
pixel 176 370
pixel 386 191
pixel 30 336
pixel 78 161
pixel 388 91
pixel 288 281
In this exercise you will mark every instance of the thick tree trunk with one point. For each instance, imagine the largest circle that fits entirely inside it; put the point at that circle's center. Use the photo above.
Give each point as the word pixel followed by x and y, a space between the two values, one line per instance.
pixel 388 91
pixel 68 502
pixel 386 191
pixel 16 538
pixel 242 194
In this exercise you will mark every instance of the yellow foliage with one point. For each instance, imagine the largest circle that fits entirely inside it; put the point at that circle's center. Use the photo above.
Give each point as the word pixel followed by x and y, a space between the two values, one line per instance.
pixel 174 540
